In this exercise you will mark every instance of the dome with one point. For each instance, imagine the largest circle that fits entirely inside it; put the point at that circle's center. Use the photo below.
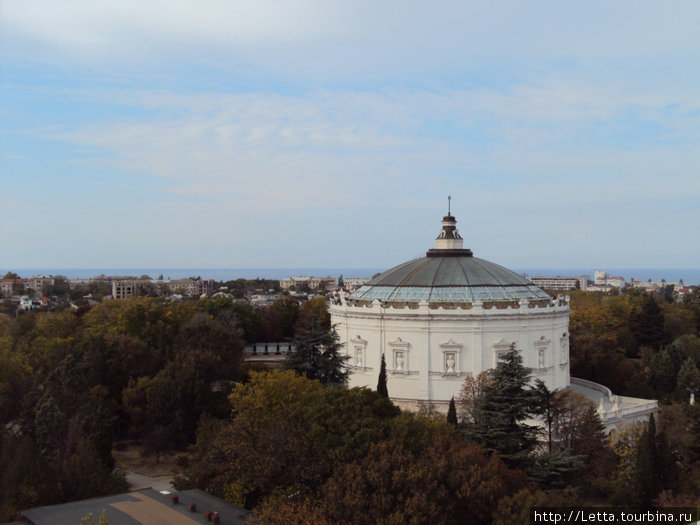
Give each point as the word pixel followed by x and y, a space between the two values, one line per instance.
pixel 448 274
pixel 448 279
pixel 436 320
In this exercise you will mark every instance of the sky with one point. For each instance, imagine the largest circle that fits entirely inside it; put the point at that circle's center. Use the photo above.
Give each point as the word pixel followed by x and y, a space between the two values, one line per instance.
pixel 243 134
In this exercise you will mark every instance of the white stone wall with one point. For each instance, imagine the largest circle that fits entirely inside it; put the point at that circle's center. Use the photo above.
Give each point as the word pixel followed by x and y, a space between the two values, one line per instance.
pixel 430 351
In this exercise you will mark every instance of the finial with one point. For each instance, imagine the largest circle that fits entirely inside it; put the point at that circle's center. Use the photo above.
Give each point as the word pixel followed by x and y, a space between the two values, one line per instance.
pixel 449 198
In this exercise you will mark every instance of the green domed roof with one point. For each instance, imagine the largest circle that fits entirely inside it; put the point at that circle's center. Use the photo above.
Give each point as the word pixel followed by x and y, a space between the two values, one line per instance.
pixel 448 274
pixel 448 279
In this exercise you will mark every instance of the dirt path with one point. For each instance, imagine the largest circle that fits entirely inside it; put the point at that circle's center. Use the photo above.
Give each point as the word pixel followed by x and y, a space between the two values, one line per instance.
pixel 144 471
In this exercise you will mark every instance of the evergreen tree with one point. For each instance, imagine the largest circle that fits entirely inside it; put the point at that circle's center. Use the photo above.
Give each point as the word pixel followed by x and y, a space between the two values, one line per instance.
pixel 316 355
pixel 504 405
pixel 648 470
pixel 381 384
pixel 647 325
pixel 545 406
pixel 452 413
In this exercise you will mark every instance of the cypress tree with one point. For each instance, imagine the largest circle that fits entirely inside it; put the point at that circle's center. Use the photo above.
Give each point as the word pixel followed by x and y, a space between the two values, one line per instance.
pixel 381 384
pixel 452 413
pixel 648 471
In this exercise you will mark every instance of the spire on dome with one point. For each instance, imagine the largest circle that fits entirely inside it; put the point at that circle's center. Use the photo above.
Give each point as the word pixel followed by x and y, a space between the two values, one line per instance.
pixel 449 241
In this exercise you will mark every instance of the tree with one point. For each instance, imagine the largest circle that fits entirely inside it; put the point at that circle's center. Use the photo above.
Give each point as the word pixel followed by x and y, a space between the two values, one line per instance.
pixel 648 469
pixel 341 282
pixel 545 407
pixel 85 476
pixel 516 508
pixel 316 355
pixel 447 482
pixel 555 469
pixel 382 389
pixel 26 478
pixel 624 442
pixel 689 378
pixel 283 314
pixel 663 373
pixel 452 413
pixel 313 311
pixel 648 324
pixel 287 436
pixel 506 402
pixel 472 389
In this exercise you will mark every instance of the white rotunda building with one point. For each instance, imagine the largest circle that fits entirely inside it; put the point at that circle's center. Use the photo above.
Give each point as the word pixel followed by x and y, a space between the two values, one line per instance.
pixel 447 316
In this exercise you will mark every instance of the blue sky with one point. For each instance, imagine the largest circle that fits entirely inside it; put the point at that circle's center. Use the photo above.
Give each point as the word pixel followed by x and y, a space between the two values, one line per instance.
pixel 227 134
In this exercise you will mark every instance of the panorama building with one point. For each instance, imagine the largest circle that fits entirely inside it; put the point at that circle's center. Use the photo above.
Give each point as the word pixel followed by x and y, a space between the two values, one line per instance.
pixel 449 315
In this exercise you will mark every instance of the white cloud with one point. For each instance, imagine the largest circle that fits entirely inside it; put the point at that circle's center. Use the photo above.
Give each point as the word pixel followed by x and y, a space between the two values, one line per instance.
pixel 345 39
pixel 344 147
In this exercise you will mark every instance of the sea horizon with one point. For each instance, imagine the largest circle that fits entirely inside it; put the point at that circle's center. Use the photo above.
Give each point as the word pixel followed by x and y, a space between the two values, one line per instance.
pixel 690 276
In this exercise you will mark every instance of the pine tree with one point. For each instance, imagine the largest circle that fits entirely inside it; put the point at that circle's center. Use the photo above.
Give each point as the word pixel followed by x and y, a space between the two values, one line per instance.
pixel 382 389
pixel 452 413
pixel 504 405
pixel 316 355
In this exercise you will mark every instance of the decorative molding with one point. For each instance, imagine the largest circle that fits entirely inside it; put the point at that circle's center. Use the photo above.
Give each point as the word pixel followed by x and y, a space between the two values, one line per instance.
pixel 360 368
pixel 400 363
pixel 543 370
pixel 359 356
pixel 399 343
pixel 450 375
pixel 451 357
pixel 499 348
pixel 451 345
pixel 403 372
pixel 357 340
pixel 541 345
pixel 564 346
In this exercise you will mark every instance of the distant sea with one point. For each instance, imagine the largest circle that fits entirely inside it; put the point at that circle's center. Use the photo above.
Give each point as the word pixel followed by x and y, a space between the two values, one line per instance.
pixel 689 275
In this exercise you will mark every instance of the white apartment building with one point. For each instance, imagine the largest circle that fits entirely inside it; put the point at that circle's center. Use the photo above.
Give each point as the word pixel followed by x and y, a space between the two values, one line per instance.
pixel 560 283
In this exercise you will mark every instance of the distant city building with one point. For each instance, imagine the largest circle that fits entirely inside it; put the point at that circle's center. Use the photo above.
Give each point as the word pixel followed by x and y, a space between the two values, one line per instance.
pixel 655 286
pixel 560 283
pixel 192 287
pixel 123 289
pixel 601 288
pixel 259 299
pixel 354 282
pixel 314 283
pixel 7 286
pixel 81 283
pixel 27 303
pixel 602 278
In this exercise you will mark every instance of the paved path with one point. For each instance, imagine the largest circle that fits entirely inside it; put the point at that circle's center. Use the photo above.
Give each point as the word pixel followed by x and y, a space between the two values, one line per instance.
pixel 139 481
